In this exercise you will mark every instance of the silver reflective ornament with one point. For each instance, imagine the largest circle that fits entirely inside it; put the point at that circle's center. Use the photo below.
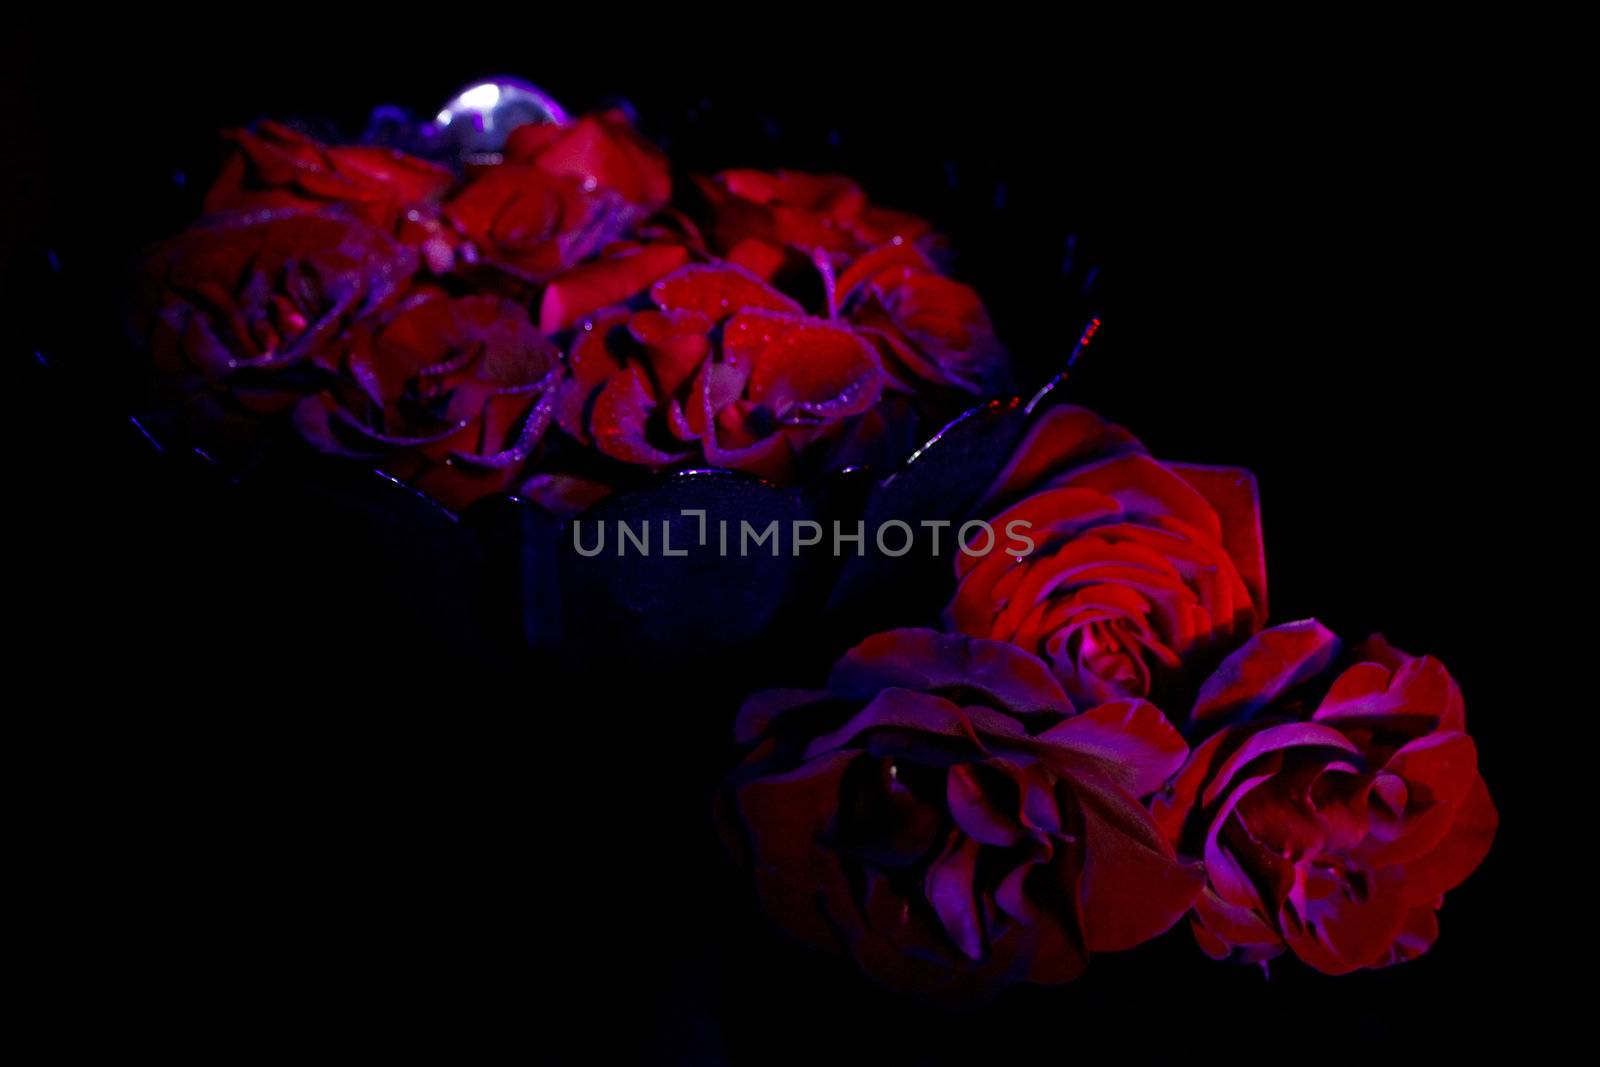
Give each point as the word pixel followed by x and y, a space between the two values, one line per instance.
pixel 478 118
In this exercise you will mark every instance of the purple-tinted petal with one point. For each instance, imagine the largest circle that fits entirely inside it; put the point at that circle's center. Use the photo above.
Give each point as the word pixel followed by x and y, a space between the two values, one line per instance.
pixel 1132 739
pixel 1268 665
pixel 949 889
pixel 762 710
pixel 1275 739
pixel 932 662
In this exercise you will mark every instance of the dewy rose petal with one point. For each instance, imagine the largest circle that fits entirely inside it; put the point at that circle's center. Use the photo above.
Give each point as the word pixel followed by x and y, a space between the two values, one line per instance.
pixel 726 368
pixel 273 166
pixel 942 813
pixel 1336 808
pixel 610 278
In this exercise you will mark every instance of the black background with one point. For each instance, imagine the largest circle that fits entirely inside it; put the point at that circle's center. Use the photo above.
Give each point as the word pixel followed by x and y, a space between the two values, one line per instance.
pixel 275 792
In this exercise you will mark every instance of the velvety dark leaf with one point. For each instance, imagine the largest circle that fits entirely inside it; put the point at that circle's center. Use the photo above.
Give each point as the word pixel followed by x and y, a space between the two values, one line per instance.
pixel 939 483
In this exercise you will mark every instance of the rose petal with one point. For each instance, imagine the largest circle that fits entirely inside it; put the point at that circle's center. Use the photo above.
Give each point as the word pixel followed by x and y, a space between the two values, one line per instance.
pixel 1270 740
pixel 1449 863
pixel 922 716
pixel 1232 491
pixel 1063 438
pixel 717 291
pixel 1133 887
pixel 761 712
pixel 1132 739
pixel 1419 693
pixel 620 419
pixel 950 891
pixel 801 884
pixel 1340 924
pixel 676 343
pixel 1238 929
pixel 591 286
pixel 803 365
pixel 600 151
pixel 975 812
pixel 929 661
pixel 1270 664
pixel 1439 772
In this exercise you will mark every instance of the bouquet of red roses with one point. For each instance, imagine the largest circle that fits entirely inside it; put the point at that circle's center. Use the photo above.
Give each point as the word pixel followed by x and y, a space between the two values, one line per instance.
pixel 1099 734
pixel 553 320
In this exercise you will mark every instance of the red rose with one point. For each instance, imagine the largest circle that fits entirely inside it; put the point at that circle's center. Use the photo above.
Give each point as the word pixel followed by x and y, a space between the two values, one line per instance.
pixel 563 194
pixel 759 220
pixel 241 298
pixel 451 394
pixel 1334 820
pixel 931 330
pixel 274 166
pixel 941 814
pixel 724 367
pixel 1140 566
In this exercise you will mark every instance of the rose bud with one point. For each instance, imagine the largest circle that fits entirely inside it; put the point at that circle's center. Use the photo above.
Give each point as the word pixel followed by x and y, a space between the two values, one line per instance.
pixel 941 813
pixel 1335 809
